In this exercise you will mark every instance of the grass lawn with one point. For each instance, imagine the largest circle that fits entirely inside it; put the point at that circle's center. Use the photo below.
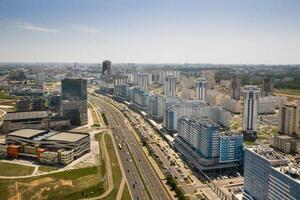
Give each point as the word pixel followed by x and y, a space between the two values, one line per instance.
pixel 10 169
pixel 295 92
pixel 72 184
pixel 44 168
pixel 4 95
pixel 126 194
pixel 116 171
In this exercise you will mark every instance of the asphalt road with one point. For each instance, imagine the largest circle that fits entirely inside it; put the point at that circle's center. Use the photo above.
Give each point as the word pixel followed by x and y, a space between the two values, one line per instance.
pixel 134 162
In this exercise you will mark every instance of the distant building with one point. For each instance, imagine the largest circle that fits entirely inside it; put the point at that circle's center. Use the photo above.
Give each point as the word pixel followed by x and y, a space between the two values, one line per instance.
pixel 270 175
pixel 122 92
pixel 213 98
pixel 38 104
pixel 250 111
pixel 141 79
pixel 74 100
pixel 156 107
pixel 140 98
pixel 120 79
pixel 210 77
pixel 231 105
pixel 170 86
pixel 54 103
pixel 23 105
pixel 19 120
pixel 201 89
pixel 266 106
pixel 174 109
pixel 267 86
pixel 289 120
pixel 106 68
pixel 235 87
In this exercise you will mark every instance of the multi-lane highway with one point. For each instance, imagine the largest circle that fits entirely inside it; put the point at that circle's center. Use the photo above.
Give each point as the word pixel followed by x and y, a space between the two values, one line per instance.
pixel 143 181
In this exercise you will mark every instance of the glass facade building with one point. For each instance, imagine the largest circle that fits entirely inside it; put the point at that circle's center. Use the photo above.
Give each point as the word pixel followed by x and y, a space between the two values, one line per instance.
pixel 74 100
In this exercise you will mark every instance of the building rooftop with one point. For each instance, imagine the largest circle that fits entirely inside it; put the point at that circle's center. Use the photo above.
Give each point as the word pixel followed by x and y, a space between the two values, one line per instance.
pixel 66 136
pixel 26 115
pixel 283 163
pixel 27 133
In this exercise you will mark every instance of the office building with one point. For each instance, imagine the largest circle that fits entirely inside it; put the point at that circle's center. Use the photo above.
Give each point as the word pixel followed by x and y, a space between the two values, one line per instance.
pixel 269 174
pixel 289 120
pixel 267 85
pixel 235 87
pixel 54 103
pixel 38 104
pixel 23 105
pixel 156 107
pixel 18 120
pixel 250 111
pixel 47 147
pixel 106 68
pixel 74 100
pixel 201 89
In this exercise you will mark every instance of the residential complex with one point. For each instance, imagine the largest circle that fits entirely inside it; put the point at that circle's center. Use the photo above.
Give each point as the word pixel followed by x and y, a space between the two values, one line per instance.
pixel 170 86
pixel 250 111
pixel 207 139
pixel 270 175
pixel 201 89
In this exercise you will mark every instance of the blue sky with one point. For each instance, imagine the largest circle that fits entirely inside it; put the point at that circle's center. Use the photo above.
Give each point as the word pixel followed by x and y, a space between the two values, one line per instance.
pixel 214 31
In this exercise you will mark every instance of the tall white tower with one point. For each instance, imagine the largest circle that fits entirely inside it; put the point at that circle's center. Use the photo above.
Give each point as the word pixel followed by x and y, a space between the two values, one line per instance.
pixel 170 86
pixel 201 89
pixel 250 111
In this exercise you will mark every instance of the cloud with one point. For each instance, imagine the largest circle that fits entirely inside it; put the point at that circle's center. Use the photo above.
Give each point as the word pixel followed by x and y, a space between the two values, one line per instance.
pixel 31 27
pixel 86 29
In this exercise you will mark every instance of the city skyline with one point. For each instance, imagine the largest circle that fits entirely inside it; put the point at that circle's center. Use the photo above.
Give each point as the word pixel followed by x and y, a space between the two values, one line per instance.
pixel 229 32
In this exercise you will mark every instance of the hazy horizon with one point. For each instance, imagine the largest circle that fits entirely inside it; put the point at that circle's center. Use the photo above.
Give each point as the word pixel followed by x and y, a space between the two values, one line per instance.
pixel 159 31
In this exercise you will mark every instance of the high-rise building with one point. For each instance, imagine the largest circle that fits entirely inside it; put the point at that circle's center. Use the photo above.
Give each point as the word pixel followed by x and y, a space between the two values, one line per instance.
pixel 270 175
pixel 170 86
pixel 74 100
pixel 106 68
pixel 289 120
pixel 250 111
pixel 206 138
pixel 140 98
pixel 119 79
pixel 201 89
pixel 122 92
pixel 141 79
pixel 267 85
pixel 156 106
pixel 235 87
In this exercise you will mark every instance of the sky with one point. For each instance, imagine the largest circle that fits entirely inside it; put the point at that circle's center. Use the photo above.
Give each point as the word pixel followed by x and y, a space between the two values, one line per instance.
pixel 151 31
